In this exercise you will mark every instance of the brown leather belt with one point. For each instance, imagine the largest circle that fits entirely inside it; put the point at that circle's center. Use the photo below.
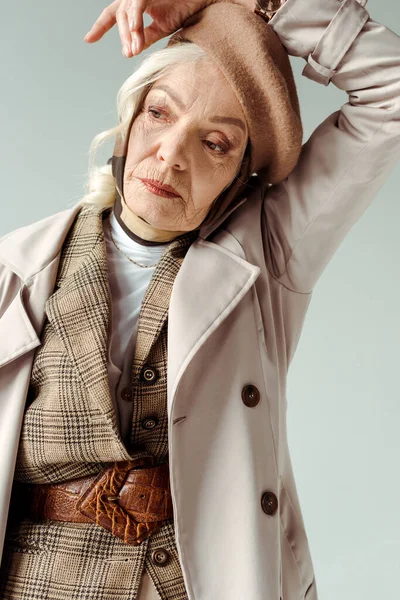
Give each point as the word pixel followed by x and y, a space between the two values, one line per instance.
pixel 131 499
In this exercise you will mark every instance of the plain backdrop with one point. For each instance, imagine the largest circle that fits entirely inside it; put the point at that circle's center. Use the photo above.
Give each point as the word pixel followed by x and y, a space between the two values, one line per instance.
pixel 57 92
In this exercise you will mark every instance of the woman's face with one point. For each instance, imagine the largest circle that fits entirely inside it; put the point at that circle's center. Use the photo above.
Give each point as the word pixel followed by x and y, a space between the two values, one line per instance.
pixel 190 134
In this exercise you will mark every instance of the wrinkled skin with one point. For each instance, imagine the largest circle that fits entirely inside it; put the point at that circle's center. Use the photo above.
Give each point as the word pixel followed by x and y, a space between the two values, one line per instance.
pixel 177 144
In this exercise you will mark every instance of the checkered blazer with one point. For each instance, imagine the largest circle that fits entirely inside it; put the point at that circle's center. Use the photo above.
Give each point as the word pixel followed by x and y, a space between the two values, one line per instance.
pixel 70 428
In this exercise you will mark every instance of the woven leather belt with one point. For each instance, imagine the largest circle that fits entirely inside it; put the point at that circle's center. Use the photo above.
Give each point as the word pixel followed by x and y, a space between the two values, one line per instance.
pixel 131 499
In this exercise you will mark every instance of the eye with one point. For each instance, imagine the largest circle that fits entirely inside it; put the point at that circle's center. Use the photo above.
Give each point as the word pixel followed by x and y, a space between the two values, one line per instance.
pixel 222 149
pixel 154 110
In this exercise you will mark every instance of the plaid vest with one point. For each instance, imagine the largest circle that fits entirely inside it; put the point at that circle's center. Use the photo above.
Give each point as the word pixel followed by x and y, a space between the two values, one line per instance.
pixel 70 428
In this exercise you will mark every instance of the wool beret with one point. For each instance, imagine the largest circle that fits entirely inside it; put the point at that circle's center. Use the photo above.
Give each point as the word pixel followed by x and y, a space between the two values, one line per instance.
pixel 250 55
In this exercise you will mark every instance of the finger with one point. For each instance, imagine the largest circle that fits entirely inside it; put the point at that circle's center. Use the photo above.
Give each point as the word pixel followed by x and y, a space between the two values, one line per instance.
pixel 103 24
pixel 152 34
pixel 135 10
pixel 124 33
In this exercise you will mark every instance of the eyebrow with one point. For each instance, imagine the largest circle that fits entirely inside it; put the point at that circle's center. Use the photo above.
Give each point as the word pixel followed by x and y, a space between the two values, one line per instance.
pixel 217 119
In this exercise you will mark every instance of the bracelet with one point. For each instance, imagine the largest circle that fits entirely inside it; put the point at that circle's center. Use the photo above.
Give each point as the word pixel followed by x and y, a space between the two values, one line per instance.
pixel 269 10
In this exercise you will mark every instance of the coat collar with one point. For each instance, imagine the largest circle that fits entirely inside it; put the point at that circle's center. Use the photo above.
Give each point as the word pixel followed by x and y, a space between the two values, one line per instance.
pixel 31 256
pixel 212 280
pixel 30 249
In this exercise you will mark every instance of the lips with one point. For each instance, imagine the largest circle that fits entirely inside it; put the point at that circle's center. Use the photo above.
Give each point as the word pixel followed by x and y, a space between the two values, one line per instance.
pixel 160 186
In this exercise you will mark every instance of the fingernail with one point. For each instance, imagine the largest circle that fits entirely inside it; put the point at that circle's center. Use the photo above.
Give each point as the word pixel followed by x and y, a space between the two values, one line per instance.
pixel 134 46
pixel 126 51
pixel 86 37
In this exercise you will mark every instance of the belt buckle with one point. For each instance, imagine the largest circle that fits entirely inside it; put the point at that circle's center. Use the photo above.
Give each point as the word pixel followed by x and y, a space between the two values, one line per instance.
pixel 109 500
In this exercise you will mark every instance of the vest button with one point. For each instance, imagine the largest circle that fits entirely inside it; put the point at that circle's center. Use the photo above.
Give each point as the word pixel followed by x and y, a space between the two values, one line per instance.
pixel 250 395
pixel 149 422
pixel 269 503
pixel 149 375
pixel 160 557
pixel 126 394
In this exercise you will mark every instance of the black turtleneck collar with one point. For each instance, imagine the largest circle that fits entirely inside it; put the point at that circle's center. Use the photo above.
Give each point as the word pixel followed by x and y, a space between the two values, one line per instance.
pixel 133 236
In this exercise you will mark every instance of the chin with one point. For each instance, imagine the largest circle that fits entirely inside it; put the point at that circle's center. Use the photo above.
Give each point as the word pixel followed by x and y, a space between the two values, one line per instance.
pixel 154 216
pixel 155 220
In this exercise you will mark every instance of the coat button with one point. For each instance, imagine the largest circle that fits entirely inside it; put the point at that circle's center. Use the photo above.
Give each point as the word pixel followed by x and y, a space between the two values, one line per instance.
pixel 149 422
pixel 149 375
pixel 160 557
pixel 126 394
pixel 250 395
pixel 269 503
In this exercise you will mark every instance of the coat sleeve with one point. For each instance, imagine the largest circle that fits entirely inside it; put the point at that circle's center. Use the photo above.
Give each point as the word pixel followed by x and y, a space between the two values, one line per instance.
pixel 350 154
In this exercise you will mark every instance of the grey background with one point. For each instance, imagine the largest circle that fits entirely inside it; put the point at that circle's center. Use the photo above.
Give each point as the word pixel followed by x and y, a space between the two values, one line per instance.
pixel 57 92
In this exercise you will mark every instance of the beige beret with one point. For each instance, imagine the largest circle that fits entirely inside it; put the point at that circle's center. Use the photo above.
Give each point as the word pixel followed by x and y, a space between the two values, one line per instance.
pixel 250 55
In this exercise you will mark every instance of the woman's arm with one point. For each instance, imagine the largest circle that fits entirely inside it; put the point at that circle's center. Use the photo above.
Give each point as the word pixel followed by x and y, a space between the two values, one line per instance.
pixel 351 153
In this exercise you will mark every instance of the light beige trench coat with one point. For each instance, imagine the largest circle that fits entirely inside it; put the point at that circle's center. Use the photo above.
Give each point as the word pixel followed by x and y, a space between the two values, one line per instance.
pixel 236 312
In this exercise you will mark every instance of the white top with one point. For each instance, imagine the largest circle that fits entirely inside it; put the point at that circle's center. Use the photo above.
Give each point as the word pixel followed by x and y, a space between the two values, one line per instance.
pixel 128 284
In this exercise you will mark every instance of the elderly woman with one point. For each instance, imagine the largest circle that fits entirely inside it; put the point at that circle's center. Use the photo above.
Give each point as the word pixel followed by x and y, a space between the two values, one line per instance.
pixel 147 331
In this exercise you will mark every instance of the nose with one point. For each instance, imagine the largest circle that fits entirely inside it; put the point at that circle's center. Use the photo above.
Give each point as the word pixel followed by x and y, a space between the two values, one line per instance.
pixel 172 149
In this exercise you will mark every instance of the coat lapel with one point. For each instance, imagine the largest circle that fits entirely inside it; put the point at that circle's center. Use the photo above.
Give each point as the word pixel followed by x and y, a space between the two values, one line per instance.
pixel 31 254
pixel 79 309
pixel 212 281
pixel 17 330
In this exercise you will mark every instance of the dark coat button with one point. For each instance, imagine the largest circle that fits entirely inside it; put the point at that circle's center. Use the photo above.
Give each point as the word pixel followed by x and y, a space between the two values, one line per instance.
pixel 160 557
pixel 149 375
pixel 269 503
pixel 149 422
pixel 126 394
pixel 250 395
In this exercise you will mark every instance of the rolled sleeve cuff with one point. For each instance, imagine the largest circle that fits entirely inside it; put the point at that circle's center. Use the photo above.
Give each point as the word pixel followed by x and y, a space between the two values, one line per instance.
pixel 321 31
pixel 335 42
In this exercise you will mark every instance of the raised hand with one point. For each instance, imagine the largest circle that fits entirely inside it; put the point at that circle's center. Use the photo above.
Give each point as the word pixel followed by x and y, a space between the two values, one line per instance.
pixel 168 16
